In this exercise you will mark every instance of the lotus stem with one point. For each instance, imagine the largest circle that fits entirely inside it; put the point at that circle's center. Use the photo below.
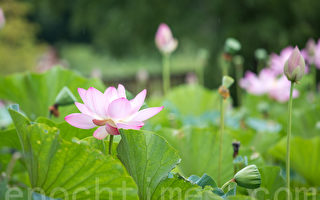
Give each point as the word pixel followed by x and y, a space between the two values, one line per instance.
pixel 227 183
pixel 288 140
pixel 239 72
pixel 15 157
pixel 110 144
pixel 221 138
pixel 314 74
pixel 166 73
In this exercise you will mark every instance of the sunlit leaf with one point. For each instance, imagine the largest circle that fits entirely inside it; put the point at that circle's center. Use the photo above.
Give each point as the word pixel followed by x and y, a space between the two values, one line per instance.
pixel 61 169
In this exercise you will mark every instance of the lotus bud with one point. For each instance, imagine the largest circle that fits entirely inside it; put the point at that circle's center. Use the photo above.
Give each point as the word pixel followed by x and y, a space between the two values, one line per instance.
pixel 65 97
pixel 248 177
pixel 294 67
pixel 232 46
pixel 227 81
pixel 2 19
pixel 164 39
pixel 311 45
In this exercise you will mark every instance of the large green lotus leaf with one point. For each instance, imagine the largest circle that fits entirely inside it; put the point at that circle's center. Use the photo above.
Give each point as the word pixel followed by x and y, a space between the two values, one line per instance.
pixel 305 157
pixel 271 184
pixel 256 141
pixel 176 188
pixel 9 143
pixel 67 131
pixel 36 92
pixel 61 168
pixel 305 118
pixel 149 160
pixel 240 197
pixel 193 99
pixel 199 151
pixel 182 101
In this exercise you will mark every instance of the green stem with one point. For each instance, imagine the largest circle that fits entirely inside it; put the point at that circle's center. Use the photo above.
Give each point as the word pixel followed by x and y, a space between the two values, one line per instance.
pixel 221 138
pixel 103 146
pixel 12 163
pixel 110 144
pixel 225 68
pixel 166 73
pixel 200 73
pixel 239 72
pixel 288 141
pixel 226 184
pixel 260 66
pixel 314 74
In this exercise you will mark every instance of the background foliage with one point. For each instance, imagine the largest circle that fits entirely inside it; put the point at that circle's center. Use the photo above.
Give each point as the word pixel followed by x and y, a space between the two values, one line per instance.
pixel 125 29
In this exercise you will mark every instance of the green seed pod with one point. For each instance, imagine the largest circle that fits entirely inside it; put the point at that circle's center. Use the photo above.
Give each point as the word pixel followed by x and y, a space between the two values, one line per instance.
pixel 261 54
pixel 232 46
pixel 248 177
pixel 227 81
pixel 65 97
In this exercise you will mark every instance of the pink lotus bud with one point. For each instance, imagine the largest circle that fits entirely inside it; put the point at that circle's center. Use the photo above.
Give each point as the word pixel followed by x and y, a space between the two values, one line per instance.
pixel 294 68
pixel 164 39
pixel 310 47
pixel 2 19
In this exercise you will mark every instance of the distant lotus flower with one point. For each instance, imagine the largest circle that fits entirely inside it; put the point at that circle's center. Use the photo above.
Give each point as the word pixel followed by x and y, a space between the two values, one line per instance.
pixel 267 82
pixel 312 53
pixel 164 39
pixel 294 67
pixel 258 85
pixel 277 61
pixel 280 90
pixel 110 111
pixel 2 19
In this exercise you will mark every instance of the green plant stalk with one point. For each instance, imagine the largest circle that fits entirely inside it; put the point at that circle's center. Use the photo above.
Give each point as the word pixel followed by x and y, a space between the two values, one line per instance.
pixel 225 68
pixel 239 72
pixel 260 65
pixel 226 184
pixel 288 140
pixel 15 157
pixel 200 74
pixel 221 138
pixel 103 146
pixel 314 78
pixel 166 73
pixel 110 144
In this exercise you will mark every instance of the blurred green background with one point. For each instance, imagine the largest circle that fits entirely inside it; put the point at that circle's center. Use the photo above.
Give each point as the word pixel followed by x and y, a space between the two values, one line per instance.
pixel 115 39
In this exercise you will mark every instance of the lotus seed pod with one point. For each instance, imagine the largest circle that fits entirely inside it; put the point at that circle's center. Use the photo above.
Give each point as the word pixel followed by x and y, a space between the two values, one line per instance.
pixel 232 46
pixel 261 54
pixel 227 81
pixel 294 67
pixel 248 177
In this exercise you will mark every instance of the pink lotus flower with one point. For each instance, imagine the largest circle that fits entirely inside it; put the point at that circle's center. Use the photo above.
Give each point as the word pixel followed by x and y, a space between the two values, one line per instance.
pixel 164 39
pixel 277 61
pixel 267 82
pixel 110 111
pixel 312 53
pixel 258 85
pixel 280 90
pixel 2 19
